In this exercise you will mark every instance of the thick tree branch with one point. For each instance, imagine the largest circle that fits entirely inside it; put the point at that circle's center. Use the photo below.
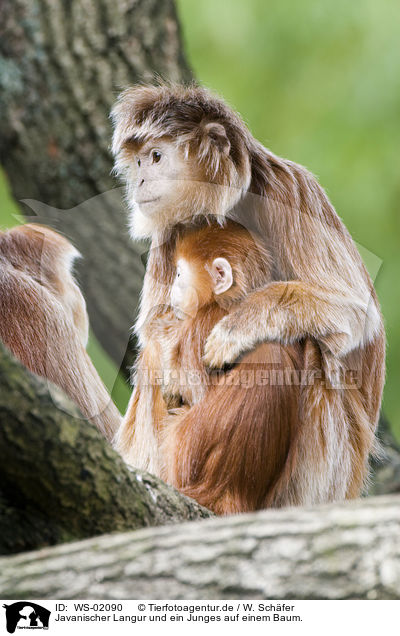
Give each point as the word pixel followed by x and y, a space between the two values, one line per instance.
pixel 60 480
pixel 347 551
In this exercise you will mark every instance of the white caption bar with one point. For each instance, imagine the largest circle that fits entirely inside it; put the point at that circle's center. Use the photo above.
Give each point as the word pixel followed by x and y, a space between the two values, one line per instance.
pixel 186 617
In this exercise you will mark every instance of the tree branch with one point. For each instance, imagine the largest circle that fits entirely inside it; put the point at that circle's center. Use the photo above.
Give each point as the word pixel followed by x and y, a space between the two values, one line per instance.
pixel 346 551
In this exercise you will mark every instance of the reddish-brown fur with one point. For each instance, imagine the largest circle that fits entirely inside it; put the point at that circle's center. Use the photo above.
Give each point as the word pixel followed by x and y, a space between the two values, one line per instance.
pixel 234 450
pixel 232 446
pixel 43 319
pixel 237 442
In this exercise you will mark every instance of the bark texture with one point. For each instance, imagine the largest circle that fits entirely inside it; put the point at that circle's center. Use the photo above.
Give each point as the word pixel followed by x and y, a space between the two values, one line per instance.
pixel 385 477
pixel 347 551
pixel 60 480
pixel 62 65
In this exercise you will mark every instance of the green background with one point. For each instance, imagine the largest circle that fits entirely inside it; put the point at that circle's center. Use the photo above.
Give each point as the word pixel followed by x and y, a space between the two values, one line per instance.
pixel 317 82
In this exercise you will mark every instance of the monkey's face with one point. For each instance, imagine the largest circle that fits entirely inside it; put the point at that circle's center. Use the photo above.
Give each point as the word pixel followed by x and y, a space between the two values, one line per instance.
pixel 161 183
pixel 167 184
pixel 161 173
pixel 193 153
pixel 184 291
pixel 197 283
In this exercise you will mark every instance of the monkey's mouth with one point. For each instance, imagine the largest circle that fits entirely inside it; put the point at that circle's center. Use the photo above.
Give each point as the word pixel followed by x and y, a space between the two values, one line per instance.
pixel 148 200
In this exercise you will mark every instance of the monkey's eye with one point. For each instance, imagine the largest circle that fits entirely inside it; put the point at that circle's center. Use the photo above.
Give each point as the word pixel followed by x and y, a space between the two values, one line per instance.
pixel 155 156
pixel 138 162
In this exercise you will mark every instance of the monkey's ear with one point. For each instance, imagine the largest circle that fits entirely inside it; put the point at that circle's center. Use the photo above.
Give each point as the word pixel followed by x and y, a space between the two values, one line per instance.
pixel 217 136
pixel 221 273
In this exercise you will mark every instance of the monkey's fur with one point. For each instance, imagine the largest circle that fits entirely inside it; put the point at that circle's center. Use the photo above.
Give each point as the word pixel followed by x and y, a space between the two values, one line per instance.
pixel 235 444
pixel 43 318
pixel 320 288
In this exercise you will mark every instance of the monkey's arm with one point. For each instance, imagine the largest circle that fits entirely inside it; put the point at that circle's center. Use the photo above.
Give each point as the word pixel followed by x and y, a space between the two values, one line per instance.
pixel 288 311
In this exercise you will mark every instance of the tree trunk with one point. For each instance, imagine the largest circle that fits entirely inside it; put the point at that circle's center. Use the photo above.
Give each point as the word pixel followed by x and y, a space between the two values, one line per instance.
pixel 385 478
pixel 60 479
pixel 62 65
pixel 347 551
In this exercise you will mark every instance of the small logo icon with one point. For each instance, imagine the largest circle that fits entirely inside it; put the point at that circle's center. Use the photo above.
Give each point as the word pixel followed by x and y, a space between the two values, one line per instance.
pixel 26 615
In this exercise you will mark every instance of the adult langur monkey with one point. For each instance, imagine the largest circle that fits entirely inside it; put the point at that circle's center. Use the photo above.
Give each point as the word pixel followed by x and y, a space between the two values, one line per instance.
pixel 186 156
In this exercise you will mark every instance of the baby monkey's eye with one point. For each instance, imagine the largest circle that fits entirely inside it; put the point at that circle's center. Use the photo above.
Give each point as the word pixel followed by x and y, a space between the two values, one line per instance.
pixel 156 156
pixel 138 162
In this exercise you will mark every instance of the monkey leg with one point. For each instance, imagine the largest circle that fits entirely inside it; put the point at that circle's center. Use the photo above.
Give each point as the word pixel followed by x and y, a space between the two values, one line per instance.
pixel 137 437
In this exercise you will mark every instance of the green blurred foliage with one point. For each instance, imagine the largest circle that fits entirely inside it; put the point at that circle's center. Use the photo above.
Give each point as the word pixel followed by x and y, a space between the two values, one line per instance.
pixel 319 82
pixel 9 212
pixel 115 382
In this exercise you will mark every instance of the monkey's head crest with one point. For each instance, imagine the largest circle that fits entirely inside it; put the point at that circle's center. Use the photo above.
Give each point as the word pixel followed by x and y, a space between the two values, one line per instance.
pixel 208 134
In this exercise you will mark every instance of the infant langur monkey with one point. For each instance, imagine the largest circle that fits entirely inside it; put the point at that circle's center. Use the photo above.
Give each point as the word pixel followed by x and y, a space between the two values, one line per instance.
pixel 232 444
pixel 43 318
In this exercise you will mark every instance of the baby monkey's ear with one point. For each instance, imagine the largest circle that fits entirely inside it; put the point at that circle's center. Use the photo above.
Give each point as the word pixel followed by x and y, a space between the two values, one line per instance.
pixel 218 137
pixel 221 273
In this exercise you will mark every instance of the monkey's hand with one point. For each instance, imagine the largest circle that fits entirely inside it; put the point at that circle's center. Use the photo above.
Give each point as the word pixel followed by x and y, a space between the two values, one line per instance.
pixel 227 341
pixel 287 312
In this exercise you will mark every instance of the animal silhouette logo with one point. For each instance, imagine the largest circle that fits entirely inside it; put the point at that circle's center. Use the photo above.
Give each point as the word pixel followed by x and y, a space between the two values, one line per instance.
pixel 26 615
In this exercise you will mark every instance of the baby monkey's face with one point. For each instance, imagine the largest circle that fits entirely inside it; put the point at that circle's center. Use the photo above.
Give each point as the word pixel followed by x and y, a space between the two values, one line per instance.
pixel 197 283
